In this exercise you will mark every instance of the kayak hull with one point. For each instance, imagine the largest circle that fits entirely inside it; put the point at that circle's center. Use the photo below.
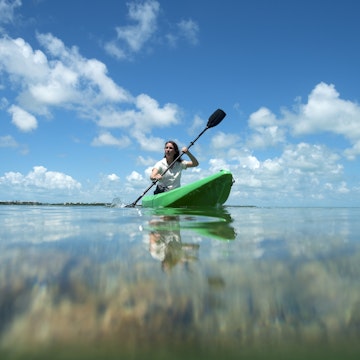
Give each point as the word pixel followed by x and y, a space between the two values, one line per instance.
pixel 211 191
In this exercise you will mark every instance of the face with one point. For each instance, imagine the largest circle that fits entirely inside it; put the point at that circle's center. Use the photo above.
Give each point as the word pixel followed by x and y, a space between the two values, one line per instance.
pixel 169 149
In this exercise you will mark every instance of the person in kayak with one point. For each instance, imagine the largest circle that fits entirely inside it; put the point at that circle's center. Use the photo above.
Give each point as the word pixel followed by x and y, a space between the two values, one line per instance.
pixel 171 179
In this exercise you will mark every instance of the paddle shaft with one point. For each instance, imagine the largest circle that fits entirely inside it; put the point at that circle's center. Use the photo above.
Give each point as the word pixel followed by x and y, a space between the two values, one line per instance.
pixel 173 162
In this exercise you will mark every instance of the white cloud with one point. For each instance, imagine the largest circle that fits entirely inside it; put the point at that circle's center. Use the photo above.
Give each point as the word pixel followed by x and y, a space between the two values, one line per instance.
pixel 152 114
pixel 4 103
pixel 325 111
pixel 68 80
pixel 107 139
pixel 190 30
pixel 113 49
pixel 272 166
pixel 40 177
pixel 218 164
pixel 59 88
pixel 22 62
pixel 7 9
pixel 8 141
pixel 145 16
pixel 132 38
pixel 113 177
pixel 261 118
pixel 223 141
pixel 250 162
pixel 145 161
pixel 22 119
pixel 268 130
pixel 134 176
pixel 185 29
pixel 112 117
pixel 198 123
pixel 353 152
pixel 148 114
pixel 307 158
pixel 91 73
pixel 343 188
pixel 171 39
pixel 302 174
pixel 150 143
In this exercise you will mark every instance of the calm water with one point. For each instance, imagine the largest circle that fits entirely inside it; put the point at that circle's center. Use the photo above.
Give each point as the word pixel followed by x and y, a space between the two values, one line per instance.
pixel 240 282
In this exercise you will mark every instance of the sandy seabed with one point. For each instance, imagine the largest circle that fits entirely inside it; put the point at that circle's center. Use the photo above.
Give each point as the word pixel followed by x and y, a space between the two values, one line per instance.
pixel 52 304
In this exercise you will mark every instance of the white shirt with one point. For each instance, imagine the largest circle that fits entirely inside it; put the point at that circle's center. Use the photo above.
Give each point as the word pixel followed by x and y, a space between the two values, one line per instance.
pixel 172 177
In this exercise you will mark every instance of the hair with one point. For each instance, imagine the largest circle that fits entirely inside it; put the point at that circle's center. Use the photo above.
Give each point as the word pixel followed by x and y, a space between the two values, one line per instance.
pixel 176 148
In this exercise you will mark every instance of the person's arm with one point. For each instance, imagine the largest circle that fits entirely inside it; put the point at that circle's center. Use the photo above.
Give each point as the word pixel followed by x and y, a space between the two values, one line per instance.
pixel 193 161
pixel 155 175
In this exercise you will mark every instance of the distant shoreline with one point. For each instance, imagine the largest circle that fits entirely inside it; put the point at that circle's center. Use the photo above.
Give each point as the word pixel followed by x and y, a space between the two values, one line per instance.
pixel 37 203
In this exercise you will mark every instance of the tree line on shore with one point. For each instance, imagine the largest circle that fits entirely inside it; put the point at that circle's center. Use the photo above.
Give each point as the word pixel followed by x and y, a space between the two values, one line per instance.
pixel 52 204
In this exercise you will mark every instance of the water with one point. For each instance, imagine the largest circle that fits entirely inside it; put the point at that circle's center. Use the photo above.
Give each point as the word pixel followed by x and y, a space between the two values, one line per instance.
pixel 89 282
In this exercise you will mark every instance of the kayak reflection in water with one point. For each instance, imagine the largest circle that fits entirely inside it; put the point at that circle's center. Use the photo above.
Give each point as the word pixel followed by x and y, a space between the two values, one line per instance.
pixel 166 246
pixel 171 179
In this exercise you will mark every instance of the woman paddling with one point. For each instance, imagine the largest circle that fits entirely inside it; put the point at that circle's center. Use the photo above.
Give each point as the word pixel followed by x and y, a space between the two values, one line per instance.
pixel 171 179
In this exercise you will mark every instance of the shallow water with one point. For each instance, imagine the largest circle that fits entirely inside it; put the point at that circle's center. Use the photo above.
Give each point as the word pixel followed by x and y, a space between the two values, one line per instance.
pixel 238 282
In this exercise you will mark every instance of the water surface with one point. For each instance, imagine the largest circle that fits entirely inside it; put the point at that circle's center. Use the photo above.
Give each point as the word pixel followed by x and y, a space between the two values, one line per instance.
pixel 237 282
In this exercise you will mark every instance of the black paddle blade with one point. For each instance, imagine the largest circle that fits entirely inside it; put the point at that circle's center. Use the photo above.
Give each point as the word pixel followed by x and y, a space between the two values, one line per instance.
pixel 216 118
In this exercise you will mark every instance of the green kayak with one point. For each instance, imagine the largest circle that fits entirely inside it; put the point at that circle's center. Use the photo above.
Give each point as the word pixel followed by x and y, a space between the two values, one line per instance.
pixel 210 191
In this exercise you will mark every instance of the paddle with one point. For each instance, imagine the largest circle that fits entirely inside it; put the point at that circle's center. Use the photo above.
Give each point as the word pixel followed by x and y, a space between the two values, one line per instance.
pixel 214 120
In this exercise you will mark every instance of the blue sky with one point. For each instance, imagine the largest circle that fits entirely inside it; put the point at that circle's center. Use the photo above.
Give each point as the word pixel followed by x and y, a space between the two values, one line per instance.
pixel 91 90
